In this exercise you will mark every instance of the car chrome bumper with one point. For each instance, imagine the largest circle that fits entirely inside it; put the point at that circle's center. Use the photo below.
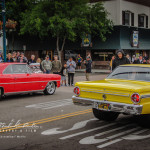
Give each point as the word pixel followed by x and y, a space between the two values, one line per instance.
pixel 113 106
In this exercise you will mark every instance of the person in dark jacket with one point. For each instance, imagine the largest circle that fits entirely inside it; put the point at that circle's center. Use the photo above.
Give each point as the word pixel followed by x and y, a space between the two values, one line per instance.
pixel 63 74
pixel 88 64
pixel 120 59
pixel 32 60
pixel 9 58
pixel 22 59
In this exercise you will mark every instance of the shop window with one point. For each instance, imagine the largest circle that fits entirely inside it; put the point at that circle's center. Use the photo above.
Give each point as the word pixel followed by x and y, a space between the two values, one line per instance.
pixel 101 56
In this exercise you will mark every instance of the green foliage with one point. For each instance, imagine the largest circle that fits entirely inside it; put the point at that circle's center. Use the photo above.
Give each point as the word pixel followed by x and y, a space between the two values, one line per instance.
pixel 66 19
pixel 15 8
pixel 60 19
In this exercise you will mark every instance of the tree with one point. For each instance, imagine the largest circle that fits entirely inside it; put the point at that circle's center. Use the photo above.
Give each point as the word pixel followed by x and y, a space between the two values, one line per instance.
pixel 66 20
pixel 15 8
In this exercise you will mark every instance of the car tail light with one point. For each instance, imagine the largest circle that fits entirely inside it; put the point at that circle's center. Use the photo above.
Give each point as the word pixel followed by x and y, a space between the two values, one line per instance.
pixel 135 98
pixel 77 91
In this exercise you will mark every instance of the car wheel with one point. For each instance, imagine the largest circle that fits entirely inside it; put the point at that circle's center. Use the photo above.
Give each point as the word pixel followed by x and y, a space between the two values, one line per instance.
pixel 143 120
pixel 104 115
pixel 50 88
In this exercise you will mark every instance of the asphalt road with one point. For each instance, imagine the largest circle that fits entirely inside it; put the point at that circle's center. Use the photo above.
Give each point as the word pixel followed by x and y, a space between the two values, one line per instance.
pixel 39 122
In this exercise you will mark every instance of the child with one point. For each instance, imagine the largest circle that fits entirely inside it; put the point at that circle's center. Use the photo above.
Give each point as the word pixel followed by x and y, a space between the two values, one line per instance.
pixel 88 64
pixel 63 73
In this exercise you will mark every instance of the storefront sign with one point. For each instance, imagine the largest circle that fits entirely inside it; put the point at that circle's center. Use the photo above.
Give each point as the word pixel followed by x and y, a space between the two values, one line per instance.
pixel 135 39
pixel 86 41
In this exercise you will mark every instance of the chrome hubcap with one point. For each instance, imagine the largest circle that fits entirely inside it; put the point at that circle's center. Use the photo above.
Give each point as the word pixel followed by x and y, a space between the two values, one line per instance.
pixel 51 88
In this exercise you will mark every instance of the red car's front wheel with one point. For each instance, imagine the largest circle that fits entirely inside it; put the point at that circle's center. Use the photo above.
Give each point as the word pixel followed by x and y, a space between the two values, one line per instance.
pixel 50 88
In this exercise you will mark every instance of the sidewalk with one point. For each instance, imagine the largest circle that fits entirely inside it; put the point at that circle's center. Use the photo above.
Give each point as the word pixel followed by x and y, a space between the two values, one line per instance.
pixel 94 71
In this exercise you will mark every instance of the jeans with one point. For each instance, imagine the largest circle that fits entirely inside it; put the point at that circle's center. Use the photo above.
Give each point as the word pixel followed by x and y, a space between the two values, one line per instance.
pixel 70 78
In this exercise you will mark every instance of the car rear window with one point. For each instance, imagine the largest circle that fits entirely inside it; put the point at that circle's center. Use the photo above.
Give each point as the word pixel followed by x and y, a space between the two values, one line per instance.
pixel 131 73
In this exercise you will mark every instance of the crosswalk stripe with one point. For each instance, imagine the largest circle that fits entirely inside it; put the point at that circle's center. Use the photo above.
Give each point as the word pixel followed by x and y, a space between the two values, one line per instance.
pixel 51 104
pixel 58 106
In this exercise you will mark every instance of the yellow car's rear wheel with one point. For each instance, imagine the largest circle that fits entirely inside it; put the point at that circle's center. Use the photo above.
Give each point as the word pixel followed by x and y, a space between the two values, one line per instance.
pixel 143 120
pixel 104 115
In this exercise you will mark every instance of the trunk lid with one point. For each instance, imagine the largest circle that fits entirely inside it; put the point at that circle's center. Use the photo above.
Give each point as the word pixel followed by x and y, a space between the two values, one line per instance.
pixel 112 89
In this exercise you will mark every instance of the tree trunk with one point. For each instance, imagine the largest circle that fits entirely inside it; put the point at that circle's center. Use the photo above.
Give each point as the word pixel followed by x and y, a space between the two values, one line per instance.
pixel 62 47
pixel 57 48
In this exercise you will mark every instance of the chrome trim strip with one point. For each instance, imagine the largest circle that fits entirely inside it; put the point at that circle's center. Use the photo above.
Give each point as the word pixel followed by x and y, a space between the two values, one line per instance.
pixel 106 93
pixel 145 96
pixel 102 91
pixel 29 82
pixel 115 106
pixel 23 92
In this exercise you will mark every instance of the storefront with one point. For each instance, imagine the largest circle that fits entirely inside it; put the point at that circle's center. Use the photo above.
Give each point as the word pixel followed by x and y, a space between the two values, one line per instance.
pixel 101 52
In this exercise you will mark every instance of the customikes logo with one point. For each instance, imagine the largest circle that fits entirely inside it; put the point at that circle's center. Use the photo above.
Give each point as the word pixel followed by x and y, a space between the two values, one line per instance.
pixel 17 127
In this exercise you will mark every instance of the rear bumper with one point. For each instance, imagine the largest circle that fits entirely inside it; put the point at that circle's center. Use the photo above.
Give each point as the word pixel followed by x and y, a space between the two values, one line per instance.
pixel 113 106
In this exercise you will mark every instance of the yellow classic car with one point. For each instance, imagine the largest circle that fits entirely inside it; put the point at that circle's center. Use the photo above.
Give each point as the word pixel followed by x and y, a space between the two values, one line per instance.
pixel 126 90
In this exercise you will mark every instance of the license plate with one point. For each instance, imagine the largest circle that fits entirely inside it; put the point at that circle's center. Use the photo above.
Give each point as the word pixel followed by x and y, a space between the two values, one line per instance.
pixel 102 106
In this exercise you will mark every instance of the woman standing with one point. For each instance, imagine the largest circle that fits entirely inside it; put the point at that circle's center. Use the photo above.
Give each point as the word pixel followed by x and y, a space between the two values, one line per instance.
pixel 9 58
pixel 71 65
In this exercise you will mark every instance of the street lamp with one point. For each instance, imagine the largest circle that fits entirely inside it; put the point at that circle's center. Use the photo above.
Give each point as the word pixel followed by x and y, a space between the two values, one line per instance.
pixel 4 28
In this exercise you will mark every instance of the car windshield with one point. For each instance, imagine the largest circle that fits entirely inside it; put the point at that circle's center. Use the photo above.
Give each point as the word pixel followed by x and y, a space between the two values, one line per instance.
pixel 131 73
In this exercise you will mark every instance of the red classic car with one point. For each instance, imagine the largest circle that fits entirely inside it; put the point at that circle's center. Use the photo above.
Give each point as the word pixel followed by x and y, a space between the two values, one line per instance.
pixel 18 78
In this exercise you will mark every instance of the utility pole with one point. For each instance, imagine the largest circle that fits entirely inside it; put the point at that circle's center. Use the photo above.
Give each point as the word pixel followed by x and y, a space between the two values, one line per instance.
pixel 4 28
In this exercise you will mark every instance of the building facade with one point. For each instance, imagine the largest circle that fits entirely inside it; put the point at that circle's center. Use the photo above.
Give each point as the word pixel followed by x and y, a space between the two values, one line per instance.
pixel 131 33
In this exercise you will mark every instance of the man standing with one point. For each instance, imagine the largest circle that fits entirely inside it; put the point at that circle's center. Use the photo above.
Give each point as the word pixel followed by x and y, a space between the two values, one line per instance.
pixel 128 57
pixel 22 58
pixel 71 65
pixel 56 65
pixel 79 61
pixel 46 65
pixel 32 60
pixel 14 56
pixel 120 59
pixel 88 64
pixel 18 56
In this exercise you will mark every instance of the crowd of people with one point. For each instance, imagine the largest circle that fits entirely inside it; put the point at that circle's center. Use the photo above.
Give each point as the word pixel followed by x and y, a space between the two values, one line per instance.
pixel 55 66
pixel 68 68
pixel 121 59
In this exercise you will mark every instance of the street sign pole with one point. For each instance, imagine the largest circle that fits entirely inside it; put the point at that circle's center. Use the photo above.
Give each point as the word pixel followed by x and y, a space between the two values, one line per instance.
pixel 4 29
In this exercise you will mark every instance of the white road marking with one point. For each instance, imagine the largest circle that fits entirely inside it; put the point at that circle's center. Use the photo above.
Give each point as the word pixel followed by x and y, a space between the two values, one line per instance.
pixel 116 135
pixel 128 137
pixel 109 143
pixel 92 140
pixel 135 135
pixel 51 104
pixel 76 126
pixel 87 131
pixel 131 133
